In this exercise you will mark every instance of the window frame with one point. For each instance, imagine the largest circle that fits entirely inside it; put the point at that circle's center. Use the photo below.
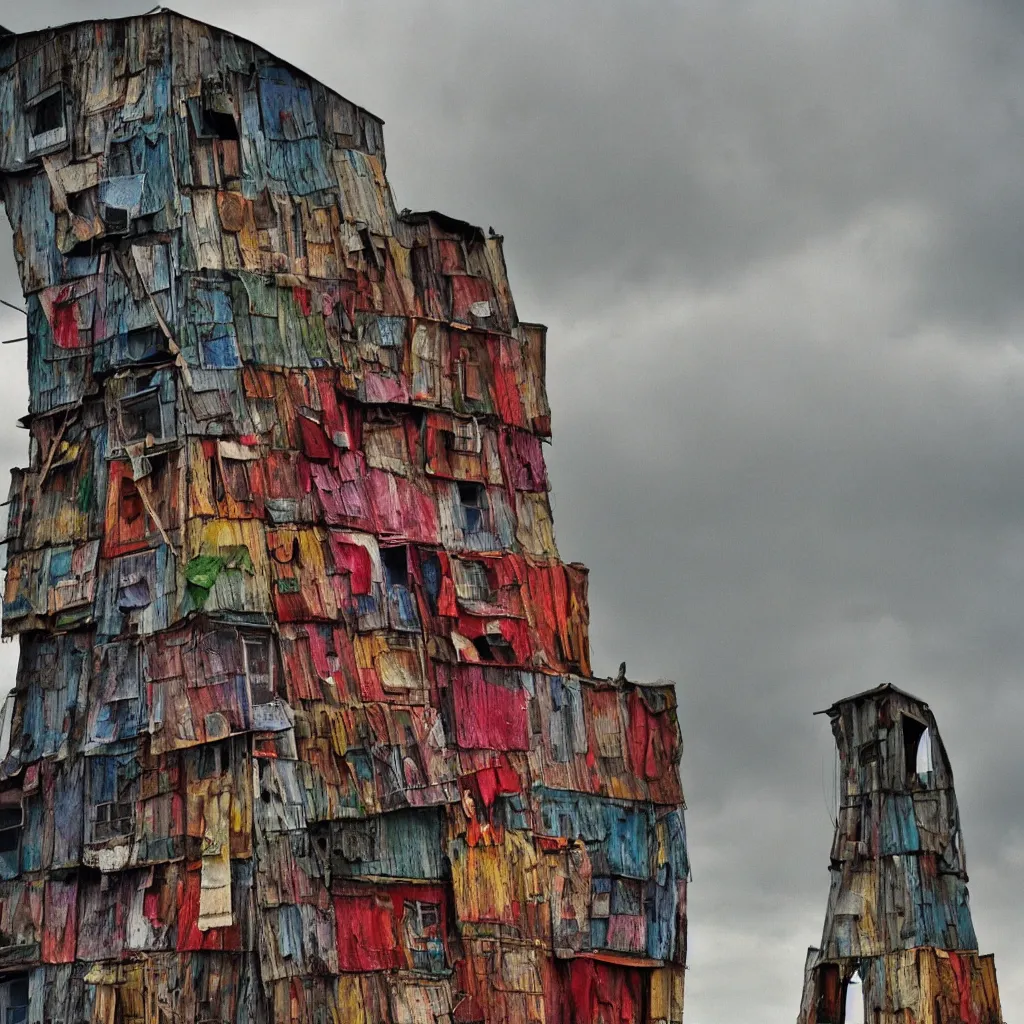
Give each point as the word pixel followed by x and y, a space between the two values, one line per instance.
pixel 16 829
pixel 470 567
pixel 388 582
pixel 42 142
pixel 478 506
pixel 110 819
pixel 150 393
pixel 270 685
pixel 465 437
pixel 7 1003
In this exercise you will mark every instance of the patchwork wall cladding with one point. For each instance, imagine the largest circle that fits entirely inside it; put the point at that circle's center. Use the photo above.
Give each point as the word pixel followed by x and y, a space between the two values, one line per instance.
pixel 898 946
pixel 304 726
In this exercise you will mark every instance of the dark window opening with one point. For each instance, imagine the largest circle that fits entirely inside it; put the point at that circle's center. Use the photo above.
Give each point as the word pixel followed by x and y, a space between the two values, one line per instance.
pixel 48 113
pixel 214 760
pixel 473 499
pixel 158 471
pixel 116 220
pixel 483 648
pixel 220 124
pixel 430 571
pixel 217 114
pixel 10 829
pixel 83 204
pixel 501 649
pixel 259 668
pixel 141 416
pixel 913 731
pixel 119 162
pixel 396 566
pixel 112 820
pixel 16 1001
pixel 144 416
pixel 83 250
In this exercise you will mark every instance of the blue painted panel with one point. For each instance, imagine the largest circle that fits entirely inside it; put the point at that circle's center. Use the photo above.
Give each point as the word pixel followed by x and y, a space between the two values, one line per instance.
pixel 401 844
pixel 286 105
pixel 899 826
pixel 621 831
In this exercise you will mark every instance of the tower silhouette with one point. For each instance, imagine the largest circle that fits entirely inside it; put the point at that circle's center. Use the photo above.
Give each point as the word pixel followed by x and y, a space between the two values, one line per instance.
pixel 898 925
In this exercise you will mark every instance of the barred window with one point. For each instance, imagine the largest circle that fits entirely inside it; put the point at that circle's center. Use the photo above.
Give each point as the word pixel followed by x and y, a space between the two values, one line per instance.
pixel 472 582
pixel 464 437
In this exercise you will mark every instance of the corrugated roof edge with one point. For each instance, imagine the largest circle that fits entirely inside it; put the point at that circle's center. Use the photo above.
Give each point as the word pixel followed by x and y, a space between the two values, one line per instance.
pixel 876 691
pixel 185 17
pixel 447 222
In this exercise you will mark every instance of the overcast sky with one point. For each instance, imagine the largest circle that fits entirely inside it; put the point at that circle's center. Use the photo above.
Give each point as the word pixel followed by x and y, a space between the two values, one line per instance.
pixel 779 246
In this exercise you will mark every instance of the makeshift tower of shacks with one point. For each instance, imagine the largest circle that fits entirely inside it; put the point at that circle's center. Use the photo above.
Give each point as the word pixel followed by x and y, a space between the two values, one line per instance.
pixel 304 728
pixel 898 921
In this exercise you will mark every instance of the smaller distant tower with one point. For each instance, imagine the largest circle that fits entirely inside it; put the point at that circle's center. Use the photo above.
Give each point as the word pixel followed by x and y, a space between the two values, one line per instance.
pixel 898 933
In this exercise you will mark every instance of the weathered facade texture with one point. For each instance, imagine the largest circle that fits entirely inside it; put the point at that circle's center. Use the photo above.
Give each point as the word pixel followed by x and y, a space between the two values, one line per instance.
pixel 304 726
pixel 898 916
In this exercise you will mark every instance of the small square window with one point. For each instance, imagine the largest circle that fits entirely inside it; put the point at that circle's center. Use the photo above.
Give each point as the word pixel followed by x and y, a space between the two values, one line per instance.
pixel 144 344
pixel 464 438
pixel 48 114
pixel 144 416
pixel 47 121
pixel 116 221
pixel 472 582
pixel 112 820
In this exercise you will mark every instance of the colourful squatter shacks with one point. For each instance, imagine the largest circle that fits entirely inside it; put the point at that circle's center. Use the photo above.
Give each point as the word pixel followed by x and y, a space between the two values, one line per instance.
pixel 304 728
pixel 898 923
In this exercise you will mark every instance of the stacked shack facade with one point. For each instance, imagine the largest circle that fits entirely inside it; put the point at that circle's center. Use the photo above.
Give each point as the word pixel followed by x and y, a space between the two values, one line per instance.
pixel 304 726
pixel 898 922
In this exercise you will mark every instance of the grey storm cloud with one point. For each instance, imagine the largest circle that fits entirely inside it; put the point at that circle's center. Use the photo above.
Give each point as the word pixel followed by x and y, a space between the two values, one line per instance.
pixel 779 247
